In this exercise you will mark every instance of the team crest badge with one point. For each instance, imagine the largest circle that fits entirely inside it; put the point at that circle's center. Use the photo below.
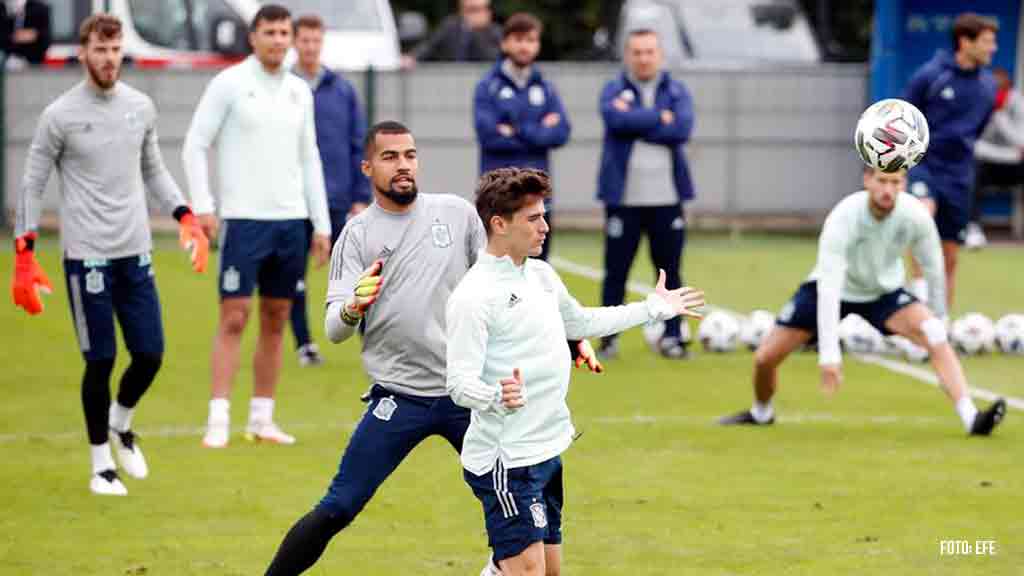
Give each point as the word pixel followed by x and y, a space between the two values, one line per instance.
pixel 627 96
pixel 132 119
pixel 231 280
pixel 385 409
pixel 506 93
pixel 94 281
pixel 540 518
pixel 615 227
pixel 441 234
pixel 536 95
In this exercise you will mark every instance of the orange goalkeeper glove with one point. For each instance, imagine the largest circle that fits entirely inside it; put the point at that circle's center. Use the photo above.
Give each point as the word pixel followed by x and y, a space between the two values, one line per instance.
pixel 29 278
pixel 192 239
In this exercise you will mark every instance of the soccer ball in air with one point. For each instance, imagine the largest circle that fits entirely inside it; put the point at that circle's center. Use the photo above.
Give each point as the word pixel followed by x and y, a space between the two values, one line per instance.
pixel 756 327
pixel 974 334
pixel 719 332
pixel 891 134
pixel 1010 334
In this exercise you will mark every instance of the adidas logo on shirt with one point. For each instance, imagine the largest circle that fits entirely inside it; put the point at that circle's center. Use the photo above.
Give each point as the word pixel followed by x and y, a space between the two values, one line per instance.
pixel 513 300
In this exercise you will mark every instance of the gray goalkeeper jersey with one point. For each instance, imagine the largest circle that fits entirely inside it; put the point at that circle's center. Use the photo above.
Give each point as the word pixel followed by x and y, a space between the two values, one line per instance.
pixel 426 252
pixel 104 147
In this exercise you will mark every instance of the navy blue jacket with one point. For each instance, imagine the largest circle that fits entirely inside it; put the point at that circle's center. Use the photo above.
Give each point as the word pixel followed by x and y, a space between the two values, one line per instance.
pixel 957 104
pixel 499 101
pixel 340 130
pixel 622 129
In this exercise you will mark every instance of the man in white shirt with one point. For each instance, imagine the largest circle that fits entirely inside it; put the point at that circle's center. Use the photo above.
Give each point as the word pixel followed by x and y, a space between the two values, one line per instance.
pixel 506 324
pixel 270 183
pixel 860 271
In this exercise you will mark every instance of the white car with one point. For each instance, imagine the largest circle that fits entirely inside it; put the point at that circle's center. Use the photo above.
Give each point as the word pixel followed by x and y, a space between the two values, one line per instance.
pixel 212 33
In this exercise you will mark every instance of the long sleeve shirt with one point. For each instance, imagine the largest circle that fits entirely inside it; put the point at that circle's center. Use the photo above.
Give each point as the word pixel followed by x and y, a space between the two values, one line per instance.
pixel 502 317
pixel 104 147
pixel 426 251
pixel 860 258
pixel 268 164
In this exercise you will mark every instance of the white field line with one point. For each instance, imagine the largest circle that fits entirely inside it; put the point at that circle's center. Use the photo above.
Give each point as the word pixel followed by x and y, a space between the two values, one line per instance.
pixel 915 372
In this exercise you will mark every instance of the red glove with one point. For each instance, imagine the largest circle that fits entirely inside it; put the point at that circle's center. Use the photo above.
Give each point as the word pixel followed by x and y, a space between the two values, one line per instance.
pixel 29 278
pixel 192 238
pixel 589 357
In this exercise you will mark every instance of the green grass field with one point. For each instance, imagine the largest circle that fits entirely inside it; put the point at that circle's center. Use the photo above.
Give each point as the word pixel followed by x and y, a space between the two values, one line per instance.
pixel 866 482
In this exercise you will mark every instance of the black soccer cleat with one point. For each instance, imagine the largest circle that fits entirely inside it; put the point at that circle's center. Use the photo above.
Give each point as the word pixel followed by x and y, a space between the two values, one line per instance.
pixel 986 421
pixel 744 418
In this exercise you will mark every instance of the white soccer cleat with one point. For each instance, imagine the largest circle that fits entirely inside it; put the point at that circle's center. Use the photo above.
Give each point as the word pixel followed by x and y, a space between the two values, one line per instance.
pixel 975 238
pixel 106 483
pixel 216 434
pixel 267 432
pixel 129 455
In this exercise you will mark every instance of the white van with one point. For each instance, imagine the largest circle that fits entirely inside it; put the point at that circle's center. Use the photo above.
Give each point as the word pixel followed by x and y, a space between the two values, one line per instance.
pixel 723 32
pixel 212 33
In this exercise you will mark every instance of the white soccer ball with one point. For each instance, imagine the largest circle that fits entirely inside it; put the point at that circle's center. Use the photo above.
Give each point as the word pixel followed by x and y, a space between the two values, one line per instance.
pixel 858 336
pixel 653 332
pixel 891 134
pixel 907 349
pixel 755 327
pixel 719 332
pixel 974 334
pixel 1010 334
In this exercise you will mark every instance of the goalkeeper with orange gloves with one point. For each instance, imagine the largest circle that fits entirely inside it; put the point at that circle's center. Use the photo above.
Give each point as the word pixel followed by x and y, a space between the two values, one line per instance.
pixel 101 138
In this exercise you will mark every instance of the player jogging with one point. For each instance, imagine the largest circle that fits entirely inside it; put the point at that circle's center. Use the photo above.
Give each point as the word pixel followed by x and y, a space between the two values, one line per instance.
pixel 506 320
pixel 860 271
pixel 101 137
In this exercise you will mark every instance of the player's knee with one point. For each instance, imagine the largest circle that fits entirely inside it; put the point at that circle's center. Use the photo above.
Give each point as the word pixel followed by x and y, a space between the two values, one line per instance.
pixel 334 516
pixel 233 322
pixel 933 331
pixel 147 363
pixel 764 357
pixel 98 371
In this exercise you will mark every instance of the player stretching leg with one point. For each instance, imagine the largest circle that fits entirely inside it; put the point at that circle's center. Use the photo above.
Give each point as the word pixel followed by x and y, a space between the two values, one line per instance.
pixel 860 271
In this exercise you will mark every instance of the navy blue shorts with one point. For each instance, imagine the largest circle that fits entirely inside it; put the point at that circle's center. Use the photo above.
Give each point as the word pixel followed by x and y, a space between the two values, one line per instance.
pixel 521 505
pixel 392 426
pixel 270 254
pixel 952 202
pixel 802 309
pixel 99 290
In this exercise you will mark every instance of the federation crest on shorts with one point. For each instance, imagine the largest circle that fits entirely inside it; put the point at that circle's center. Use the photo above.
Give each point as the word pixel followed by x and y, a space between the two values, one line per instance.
pixel 232 280
pixel 786 314
pixel 94 282
pixel 536 95
pixel 385 408
pixel 441 234
pixel 615 227
pixel 540 518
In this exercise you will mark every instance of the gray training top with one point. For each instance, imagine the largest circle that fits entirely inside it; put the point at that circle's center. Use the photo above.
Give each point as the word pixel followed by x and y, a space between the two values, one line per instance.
pixel 104 146
pixel 426 252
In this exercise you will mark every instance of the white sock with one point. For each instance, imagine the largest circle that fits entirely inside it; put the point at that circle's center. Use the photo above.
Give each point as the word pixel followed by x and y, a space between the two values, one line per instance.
pixel 919 288
pixel 762 412
pixel 102 459
pixel 261 410
pixel 220 410
pixel 965 408
pixel 121 417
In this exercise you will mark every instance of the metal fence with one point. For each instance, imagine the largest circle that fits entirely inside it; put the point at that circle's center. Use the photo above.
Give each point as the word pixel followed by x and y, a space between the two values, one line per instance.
pixel 768 142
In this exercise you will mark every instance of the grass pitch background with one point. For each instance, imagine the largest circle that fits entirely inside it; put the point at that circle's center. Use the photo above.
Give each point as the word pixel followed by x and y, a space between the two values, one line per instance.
pixel 866 482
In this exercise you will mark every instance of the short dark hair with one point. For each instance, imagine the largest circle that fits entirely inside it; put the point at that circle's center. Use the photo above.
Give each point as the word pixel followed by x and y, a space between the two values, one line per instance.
pixel 384 127
pixel 105 26
pixel 970 25
pixel 521 23
pixel 503 191
pixel 311 21
pixel 269 13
